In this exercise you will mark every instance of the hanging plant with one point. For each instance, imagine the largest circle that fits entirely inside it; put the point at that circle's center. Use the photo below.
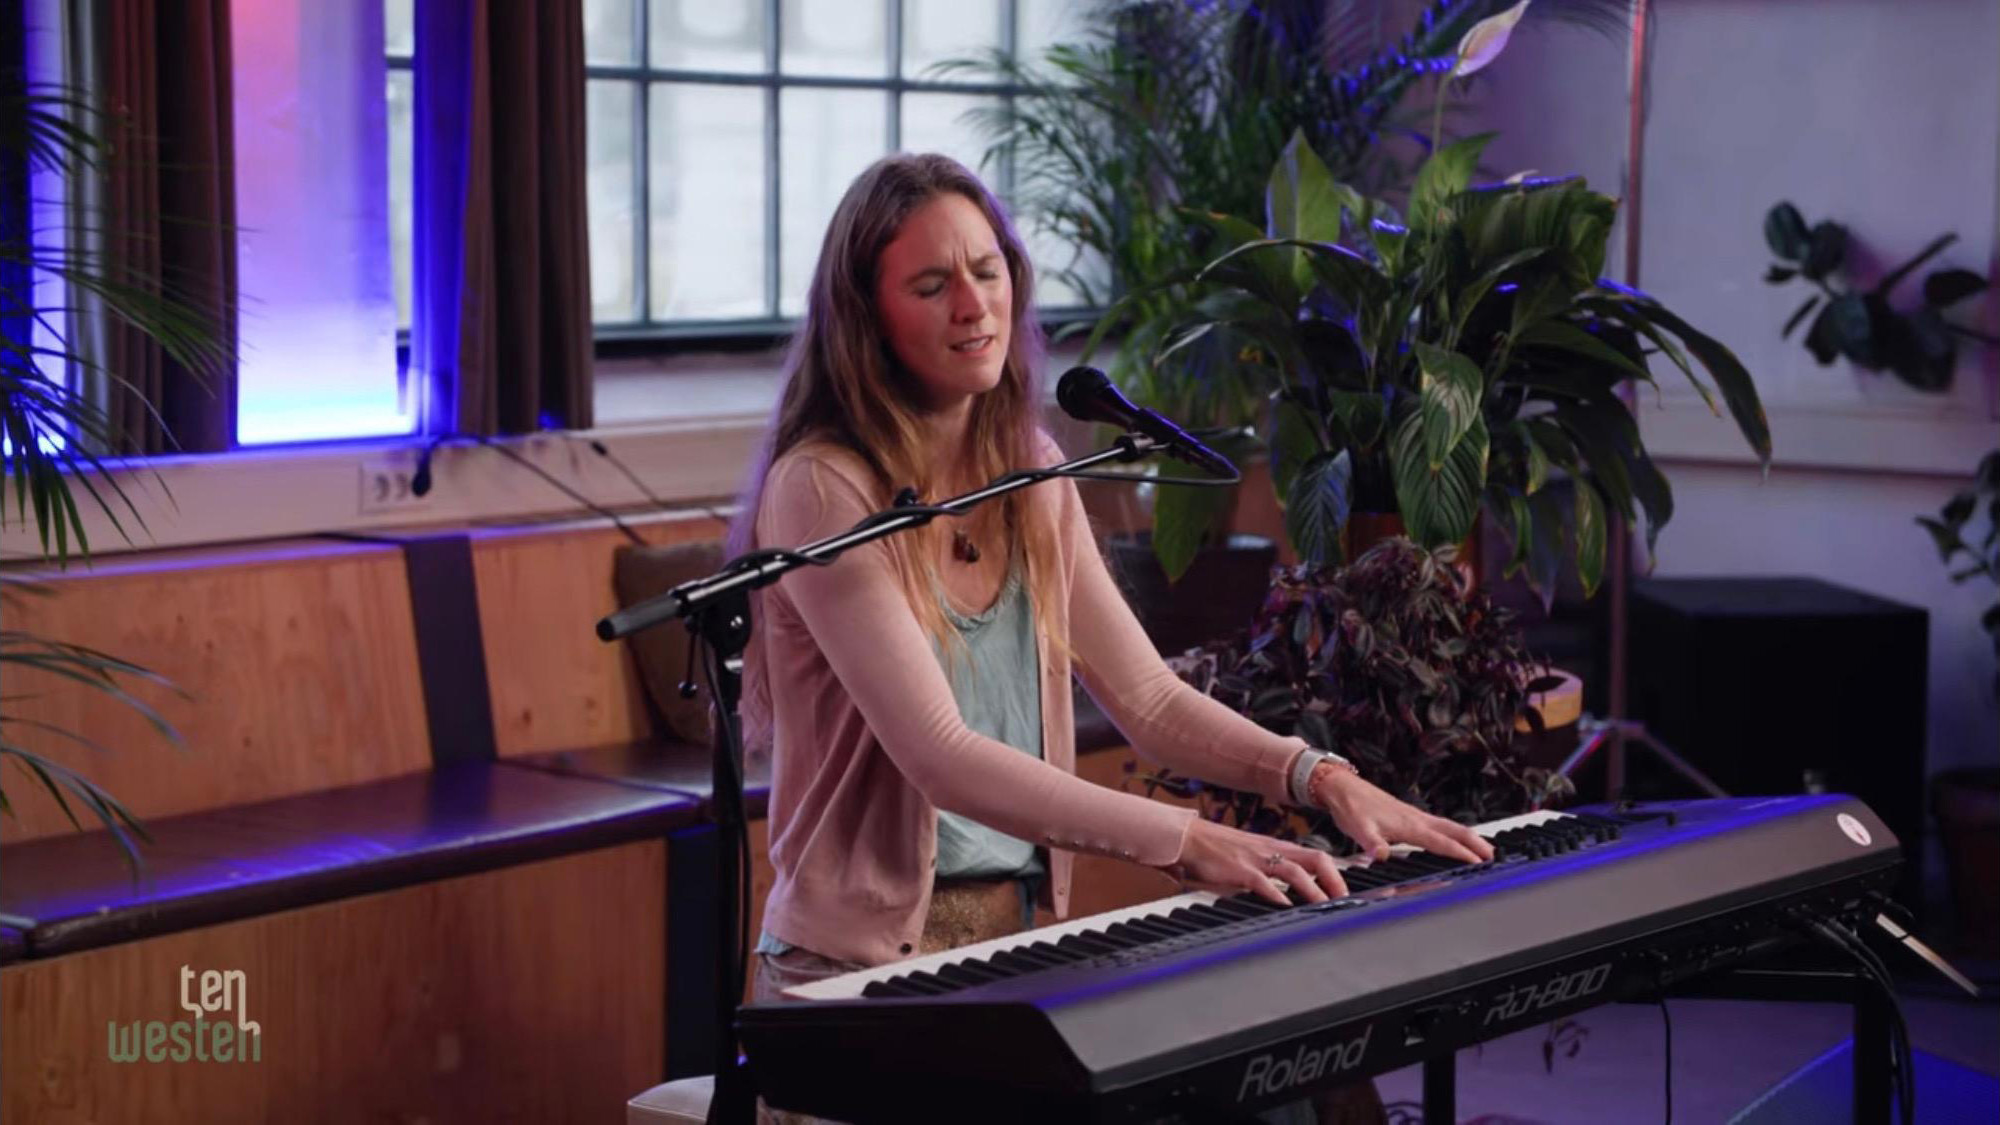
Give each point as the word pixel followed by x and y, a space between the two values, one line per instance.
pixel 1919 345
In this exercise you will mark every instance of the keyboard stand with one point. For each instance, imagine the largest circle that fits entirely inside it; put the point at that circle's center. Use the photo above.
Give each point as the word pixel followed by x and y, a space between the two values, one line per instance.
pixel 1873 1104
pixel 1872 1018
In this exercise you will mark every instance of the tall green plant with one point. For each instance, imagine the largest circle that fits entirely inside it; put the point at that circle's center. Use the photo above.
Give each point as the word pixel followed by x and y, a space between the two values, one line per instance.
pixel 1165 109
pixel 1456 359
pixel 52 439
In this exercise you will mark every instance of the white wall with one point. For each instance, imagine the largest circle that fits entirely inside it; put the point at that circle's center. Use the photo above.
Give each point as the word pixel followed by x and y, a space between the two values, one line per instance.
pixel 1885 117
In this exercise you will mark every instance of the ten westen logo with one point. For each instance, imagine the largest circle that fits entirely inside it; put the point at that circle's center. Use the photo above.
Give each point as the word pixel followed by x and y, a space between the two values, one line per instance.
pixel 198 1038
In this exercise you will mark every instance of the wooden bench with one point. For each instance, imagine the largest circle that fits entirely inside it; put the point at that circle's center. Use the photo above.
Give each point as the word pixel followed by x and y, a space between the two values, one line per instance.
pixel 424 932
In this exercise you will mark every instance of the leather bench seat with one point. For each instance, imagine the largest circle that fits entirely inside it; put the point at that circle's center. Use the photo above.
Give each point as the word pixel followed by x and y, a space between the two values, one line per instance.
pixel 661 766
pixel 74 892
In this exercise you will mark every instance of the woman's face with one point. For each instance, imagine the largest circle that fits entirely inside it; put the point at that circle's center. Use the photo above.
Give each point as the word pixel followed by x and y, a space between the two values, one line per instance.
pixel 947 301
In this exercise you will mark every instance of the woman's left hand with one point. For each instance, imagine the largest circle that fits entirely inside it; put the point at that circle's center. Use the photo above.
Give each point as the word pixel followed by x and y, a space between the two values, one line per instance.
pixel 1374 820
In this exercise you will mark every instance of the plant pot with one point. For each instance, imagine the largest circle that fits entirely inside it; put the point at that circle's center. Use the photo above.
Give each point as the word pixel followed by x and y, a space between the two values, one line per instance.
pixel 1967 805
pixel 1218 595
pixel 1560 708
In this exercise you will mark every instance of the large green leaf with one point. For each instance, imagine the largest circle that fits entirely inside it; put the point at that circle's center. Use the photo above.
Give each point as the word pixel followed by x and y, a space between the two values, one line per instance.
pixel 1537 472
pixel 1183 515
pixel 1591 536
pixel 1362 415
pixel 1731 377
pixel 1294 441
pixel 1468 301
pixel 1316 509
pixel 1785 232
pixel 1595 429
pixel 1564 336
pixel 1438 505
pixel 1545 544
pixel 1302 199
pixel 1947 287
pixel 1447 173
pixel 1451 390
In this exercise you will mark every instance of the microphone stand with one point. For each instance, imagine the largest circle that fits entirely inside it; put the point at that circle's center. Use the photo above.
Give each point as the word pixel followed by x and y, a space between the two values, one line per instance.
pixel 716 609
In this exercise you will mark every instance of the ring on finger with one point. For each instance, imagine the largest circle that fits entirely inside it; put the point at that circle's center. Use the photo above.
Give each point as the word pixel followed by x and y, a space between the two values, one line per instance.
pixel 1272 861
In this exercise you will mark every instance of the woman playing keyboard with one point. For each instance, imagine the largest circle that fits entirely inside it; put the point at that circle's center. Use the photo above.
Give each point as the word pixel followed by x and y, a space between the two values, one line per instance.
pixel 916 693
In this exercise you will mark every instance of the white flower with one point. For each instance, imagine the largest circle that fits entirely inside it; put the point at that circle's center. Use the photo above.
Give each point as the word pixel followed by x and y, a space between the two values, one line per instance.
pixel 1486 40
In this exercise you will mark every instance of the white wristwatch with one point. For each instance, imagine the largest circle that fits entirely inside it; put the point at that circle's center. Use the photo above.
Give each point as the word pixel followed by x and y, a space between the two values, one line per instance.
pixel 1300 782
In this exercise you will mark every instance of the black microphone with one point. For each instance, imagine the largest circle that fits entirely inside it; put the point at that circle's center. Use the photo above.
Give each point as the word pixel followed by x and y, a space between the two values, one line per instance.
pixel 1088 395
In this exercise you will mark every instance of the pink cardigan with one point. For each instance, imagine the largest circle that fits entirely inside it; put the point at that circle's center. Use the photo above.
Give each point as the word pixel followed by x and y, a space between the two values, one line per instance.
pixel 868 743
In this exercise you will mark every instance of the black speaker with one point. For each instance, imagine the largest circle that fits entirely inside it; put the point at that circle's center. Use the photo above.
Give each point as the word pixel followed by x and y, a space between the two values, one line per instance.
pixel 1787 685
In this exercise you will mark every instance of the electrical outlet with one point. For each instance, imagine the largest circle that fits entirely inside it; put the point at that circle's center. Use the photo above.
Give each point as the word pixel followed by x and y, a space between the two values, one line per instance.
pixel 385 485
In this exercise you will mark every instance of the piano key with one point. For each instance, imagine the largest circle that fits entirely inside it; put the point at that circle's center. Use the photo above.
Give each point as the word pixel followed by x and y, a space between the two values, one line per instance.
pixel 965 975
pixel 1128 934
pixel 1093 943
pixel 1044 949
pixel 1020 961
pixel 1204 905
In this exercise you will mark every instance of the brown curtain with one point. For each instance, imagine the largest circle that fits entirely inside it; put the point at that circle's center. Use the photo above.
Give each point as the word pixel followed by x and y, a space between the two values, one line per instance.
pixel 170 213
pixel 502 278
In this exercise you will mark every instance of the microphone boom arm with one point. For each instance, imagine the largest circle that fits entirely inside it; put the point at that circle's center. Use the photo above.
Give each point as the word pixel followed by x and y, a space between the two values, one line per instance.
pixel 757 569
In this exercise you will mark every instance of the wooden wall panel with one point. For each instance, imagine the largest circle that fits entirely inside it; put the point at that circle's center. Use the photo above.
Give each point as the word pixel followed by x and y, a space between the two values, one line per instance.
pixel 555 686
pixel 299 663
pixel 530 994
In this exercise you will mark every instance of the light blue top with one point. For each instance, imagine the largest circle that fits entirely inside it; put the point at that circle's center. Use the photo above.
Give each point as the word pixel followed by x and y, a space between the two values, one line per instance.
pixel 996 679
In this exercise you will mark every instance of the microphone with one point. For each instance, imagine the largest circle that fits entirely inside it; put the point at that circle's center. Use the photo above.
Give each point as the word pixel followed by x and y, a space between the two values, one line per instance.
pixel 1088 395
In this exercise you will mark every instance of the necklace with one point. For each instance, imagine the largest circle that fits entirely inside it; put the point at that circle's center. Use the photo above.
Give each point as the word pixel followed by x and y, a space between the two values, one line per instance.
pixel 963 548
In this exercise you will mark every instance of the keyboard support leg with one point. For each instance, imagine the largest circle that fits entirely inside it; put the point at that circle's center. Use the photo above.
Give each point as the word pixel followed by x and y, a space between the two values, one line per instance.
pixel 1872 1019
pixel 1441 1089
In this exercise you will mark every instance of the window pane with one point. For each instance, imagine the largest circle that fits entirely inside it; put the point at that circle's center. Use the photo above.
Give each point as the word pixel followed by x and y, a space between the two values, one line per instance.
pixel 939 123
pixel 1045 23
pixel 707 202
pixel 723 35
pixel 826 138
pixel 608 32
pixel 609 108
pixel 1052 254
pixel 936 30
pixel 399 25
pixel 835 37
pixel 402 108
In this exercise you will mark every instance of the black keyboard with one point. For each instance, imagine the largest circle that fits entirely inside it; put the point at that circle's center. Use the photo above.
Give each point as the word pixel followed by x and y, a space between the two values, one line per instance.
pixel 1205 1007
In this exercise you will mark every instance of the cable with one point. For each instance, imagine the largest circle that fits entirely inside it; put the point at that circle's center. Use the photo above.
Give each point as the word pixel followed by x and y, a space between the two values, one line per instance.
pixel 1899 1026
pixel 1667 1020
pixel 421 481
pixel 598 447
pixel 1901 1061
pixel 565 489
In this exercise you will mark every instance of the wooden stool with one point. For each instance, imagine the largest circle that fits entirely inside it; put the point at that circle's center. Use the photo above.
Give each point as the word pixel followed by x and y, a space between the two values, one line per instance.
pixel 673 1103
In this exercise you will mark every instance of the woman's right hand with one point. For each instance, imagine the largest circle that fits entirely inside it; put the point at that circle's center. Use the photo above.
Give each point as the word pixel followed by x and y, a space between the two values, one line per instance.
pixel 1220 858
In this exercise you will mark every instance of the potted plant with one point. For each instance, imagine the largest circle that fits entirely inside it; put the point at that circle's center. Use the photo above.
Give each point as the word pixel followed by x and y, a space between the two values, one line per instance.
pixel 1165 105
pixel 53 436
pixel 1967 801
pixel 1399 663
pixel 1455 360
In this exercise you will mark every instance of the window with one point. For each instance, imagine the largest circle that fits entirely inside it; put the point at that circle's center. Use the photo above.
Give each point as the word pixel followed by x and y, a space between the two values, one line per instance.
pixel 722 133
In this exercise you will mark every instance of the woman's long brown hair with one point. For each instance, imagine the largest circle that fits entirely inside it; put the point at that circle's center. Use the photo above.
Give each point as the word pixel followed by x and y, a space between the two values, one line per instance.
pixel 844 386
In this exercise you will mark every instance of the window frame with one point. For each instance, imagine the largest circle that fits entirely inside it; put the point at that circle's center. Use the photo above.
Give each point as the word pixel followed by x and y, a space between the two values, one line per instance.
pixel 644 335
